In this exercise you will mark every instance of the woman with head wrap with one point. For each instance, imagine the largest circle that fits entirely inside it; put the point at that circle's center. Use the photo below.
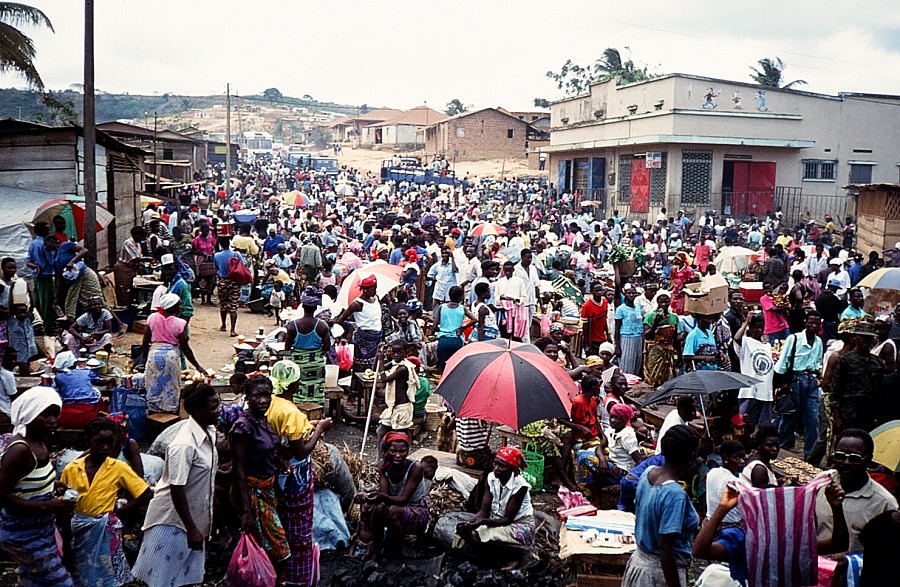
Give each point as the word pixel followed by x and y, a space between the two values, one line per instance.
pixel 398 507
pixel 27 521
pixel 504 526
pixel 164 340
pixel 308 339
pixel 660 329
pixel 369 332
pixel 294 489
pixel 595 469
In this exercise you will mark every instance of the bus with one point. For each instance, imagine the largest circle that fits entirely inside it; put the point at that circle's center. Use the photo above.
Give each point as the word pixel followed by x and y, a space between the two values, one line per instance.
pixel 258 145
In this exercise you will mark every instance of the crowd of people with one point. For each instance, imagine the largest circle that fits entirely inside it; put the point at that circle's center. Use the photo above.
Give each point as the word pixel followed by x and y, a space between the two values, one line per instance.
pixel 445 267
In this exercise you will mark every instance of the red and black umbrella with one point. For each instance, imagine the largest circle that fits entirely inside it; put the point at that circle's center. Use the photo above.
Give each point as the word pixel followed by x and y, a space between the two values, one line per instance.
pixel 507 383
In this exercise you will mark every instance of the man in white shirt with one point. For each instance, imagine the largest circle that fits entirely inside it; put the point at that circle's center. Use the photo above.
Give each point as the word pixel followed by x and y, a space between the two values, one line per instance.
pixel 684 413
pixel 756 360
pixel 646 302
pixel 528 273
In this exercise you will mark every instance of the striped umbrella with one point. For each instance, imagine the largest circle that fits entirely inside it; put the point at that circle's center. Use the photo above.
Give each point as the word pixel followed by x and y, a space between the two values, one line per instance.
pixel 507 383
pixel 72 209
pixel 886 278
pixel 488 228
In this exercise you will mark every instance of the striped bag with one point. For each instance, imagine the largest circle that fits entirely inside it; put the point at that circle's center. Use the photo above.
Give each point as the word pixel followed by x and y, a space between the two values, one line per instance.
pixel 780 534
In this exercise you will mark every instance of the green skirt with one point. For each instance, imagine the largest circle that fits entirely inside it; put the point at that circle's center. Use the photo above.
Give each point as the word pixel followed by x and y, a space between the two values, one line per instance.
pixel 312 374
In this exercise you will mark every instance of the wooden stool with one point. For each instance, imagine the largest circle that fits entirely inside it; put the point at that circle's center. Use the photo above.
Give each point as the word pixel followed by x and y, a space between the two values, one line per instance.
pixel 333 397
pixel 506 434
pixel 313 411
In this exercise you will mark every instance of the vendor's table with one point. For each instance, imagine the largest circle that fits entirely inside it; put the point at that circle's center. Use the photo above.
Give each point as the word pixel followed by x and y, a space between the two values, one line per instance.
pixel 596 567
pixel 144 288
pixel 333 397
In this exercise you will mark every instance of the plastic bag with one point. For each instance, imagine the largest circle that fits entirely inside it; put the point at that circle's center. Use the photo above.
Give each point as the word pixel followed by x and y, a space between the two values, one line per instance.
pixel 250 565
pixel 344 357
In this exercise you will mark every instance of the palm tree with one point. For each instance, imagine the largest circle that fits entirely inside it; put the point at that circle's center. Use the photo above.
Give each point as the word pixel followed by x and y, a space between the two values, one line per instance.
pixel 611 65
pixel 770 74
pixel 17 49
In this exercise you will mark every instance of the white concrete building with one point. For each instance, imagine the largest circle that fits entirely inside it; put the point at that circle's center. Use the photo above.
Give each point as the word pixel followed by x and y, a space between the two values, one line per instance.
pixel 696 143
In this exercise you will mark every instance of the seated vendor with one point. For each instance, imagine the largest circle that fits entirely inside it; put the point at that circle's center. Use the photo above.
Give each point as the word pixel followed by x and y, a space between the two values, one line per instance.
pixel 585 429
pixel 595 470
pixel 398 507
pixel 92 330
pixel 504 526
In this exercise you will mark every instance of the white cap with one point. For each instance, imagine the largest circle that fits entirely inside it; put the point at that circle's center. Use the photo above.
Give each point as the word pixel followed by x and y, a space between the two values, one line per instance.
pixel 167 259
pixel 835 261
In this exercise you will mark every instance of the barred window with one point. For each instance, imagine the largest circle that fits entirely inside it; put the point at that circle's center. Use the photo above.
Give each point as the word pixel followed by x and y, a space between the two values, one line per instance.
pixel 861 172
pixel 658 182
pixel 624 179
pixel 821 169
pixel 696 177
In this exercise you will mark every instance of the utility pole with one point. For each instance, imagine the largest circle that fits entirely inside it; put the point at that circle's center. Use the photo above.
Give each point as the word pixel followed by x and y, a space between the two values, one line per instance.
pixel 227 141
pixel 90 139
pixel 156 186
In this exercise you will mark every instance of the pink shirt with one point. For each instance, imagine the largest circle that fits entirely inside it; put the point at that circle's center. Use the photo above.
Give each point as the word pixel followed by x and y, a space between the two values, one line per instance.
pixel 774 321
pixel 165 328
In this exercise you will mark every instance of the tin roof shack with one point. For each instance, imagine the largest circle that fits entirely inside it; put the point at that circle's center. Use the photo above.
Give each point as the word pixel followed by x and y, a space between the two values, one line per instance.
pixel 49 160
pixel 177 156
pixel 878 216
pixel 349 128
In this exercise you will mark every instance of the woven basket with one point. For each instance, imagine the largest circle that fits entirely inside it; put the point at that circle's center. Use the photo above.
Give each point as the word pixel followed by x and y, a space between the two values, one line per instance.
pixel 433 416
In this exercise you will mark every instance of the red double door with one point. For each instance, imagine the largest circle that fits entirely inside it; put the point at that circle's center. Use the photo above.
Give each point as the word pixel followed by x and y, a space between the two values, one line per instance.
pixel 752 187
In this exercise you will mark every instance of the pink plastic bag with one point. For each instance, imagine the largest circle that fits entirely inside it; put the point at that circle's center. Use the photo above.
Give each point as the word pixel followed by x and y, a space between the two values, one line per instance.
pixel 250 565
pixel 344 357
pixel 570 499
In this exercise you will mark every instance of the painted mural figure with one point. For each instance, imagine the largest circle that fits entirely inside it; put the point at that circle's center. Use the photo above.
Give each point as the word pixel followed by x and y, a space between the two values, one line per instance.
pixel 736 100
pixel 709 97
pixel 760 96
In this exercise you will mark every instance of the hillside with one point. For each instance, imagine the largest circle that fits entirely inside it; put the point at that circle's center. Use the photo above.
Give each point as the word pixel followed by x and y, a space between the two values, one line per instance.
pixel 173 109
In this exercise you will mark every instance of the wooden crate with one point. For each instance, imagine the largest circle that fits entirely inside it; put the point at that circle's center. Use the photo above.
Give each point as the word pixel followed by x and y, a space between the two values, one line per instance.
pixel 312 410
pixel 597 570
pixel 597 580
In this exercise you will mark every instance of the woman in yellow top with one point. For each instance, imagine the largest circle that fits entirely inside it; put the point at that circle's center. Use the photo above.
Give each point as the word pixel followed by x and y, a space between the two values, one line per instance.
pixel 97 477
pixel 295 488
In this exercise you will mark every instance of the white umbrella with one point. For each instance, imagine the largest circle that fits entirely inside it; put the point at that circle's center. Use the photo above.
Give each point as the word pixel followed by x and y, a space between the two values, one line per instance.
pixel 345 190
pixel 733 259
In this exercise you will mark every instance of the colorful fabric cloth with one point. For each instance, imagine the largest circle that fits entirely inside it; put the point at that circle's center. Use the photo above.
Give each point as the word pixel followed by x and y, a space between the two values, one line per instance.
pixel 267 527
pixel 295 508
pixel 366 342
pixel 162 377
pixel 99 559
pixel 586 474
pixel 229 294
pixel 312 373
pixel 31 542
pixel 781 535
pixel 661 354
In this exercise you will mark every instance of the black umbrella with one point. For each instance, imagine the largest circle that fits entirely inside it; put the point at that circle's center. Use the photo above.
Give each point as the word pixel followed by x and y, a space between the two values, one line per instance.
pixel 701 383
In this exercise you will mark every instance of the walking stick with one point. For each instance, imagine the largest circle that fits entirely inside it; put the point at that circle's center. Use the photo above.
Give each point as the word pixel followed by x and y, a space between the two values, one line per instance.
pixel 362 448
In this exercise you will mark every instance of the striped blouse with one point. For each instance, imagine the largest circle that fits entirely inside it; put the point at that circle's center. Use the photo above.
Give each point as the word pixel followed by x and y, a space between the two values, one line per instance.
pixel 38 483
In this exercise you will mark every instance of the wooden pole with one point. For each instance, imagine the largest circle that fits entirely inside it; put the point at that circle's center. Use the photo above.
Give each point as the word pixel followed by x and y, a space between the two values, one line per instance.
pixel 90 139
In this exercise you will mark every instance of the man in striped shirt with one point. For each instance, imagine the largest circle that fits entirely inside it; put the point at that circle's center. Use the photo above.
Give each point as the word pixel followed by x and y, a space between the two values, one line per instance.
pixel 473 436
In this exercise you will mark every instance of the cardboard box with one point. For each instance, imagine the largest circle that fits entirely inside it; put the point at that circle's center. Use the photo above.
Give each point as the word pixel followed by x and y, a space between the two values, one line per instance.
pixel 710 296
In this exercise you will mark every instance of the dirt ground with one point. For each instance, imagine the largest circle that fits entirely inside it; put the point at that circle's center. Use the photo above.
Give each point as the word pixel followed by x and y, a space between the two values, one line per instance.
pixel 370 160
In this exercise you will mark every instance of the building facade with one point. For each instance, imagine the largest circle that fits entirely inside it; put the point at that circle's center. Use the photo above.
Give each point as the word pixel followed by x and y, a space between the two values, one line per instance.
pixel 489 133
pixel 695 143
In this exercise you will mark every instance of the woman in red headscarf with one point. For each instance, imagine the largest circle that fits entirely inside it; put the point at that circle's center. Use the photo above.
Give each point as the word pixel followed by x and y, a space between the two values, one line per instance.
pixel 398 507
pixel 504 526
pixel 681 275
pixel 618 453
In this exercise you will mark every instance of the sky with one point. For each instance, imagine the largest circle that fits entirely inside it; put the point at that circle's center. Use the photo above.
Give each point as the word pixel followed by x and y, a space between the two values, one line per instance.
pixel 402 54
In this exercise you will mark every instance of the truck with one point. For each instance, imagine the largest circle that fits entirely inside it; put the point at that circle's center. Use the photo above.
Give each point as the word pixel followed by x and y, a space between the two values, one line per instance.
pixel 328 165
pixel 411 169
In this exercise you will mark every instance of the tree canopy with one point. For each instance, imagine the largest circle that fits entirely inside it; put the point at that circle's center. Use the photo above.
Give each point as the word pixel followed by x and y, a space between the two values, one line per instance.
pixel 455 107
pixel 575 79
pixel 771 74
pixel 272 94
pixel 17 49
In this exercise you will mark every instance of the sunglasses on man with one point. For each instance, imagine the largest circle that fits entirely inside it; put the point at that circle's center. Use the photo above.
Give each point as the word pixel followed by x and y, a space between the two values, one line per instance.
pixel 848 457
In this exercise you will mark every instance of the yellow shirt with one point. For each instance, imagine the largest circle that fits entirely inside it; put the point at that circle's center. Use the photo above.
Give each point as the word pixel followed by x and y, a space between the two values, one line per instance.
pixel 99 497
pixel 784 240
pixel 245 243
pixel 287 420
pixel 283 277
